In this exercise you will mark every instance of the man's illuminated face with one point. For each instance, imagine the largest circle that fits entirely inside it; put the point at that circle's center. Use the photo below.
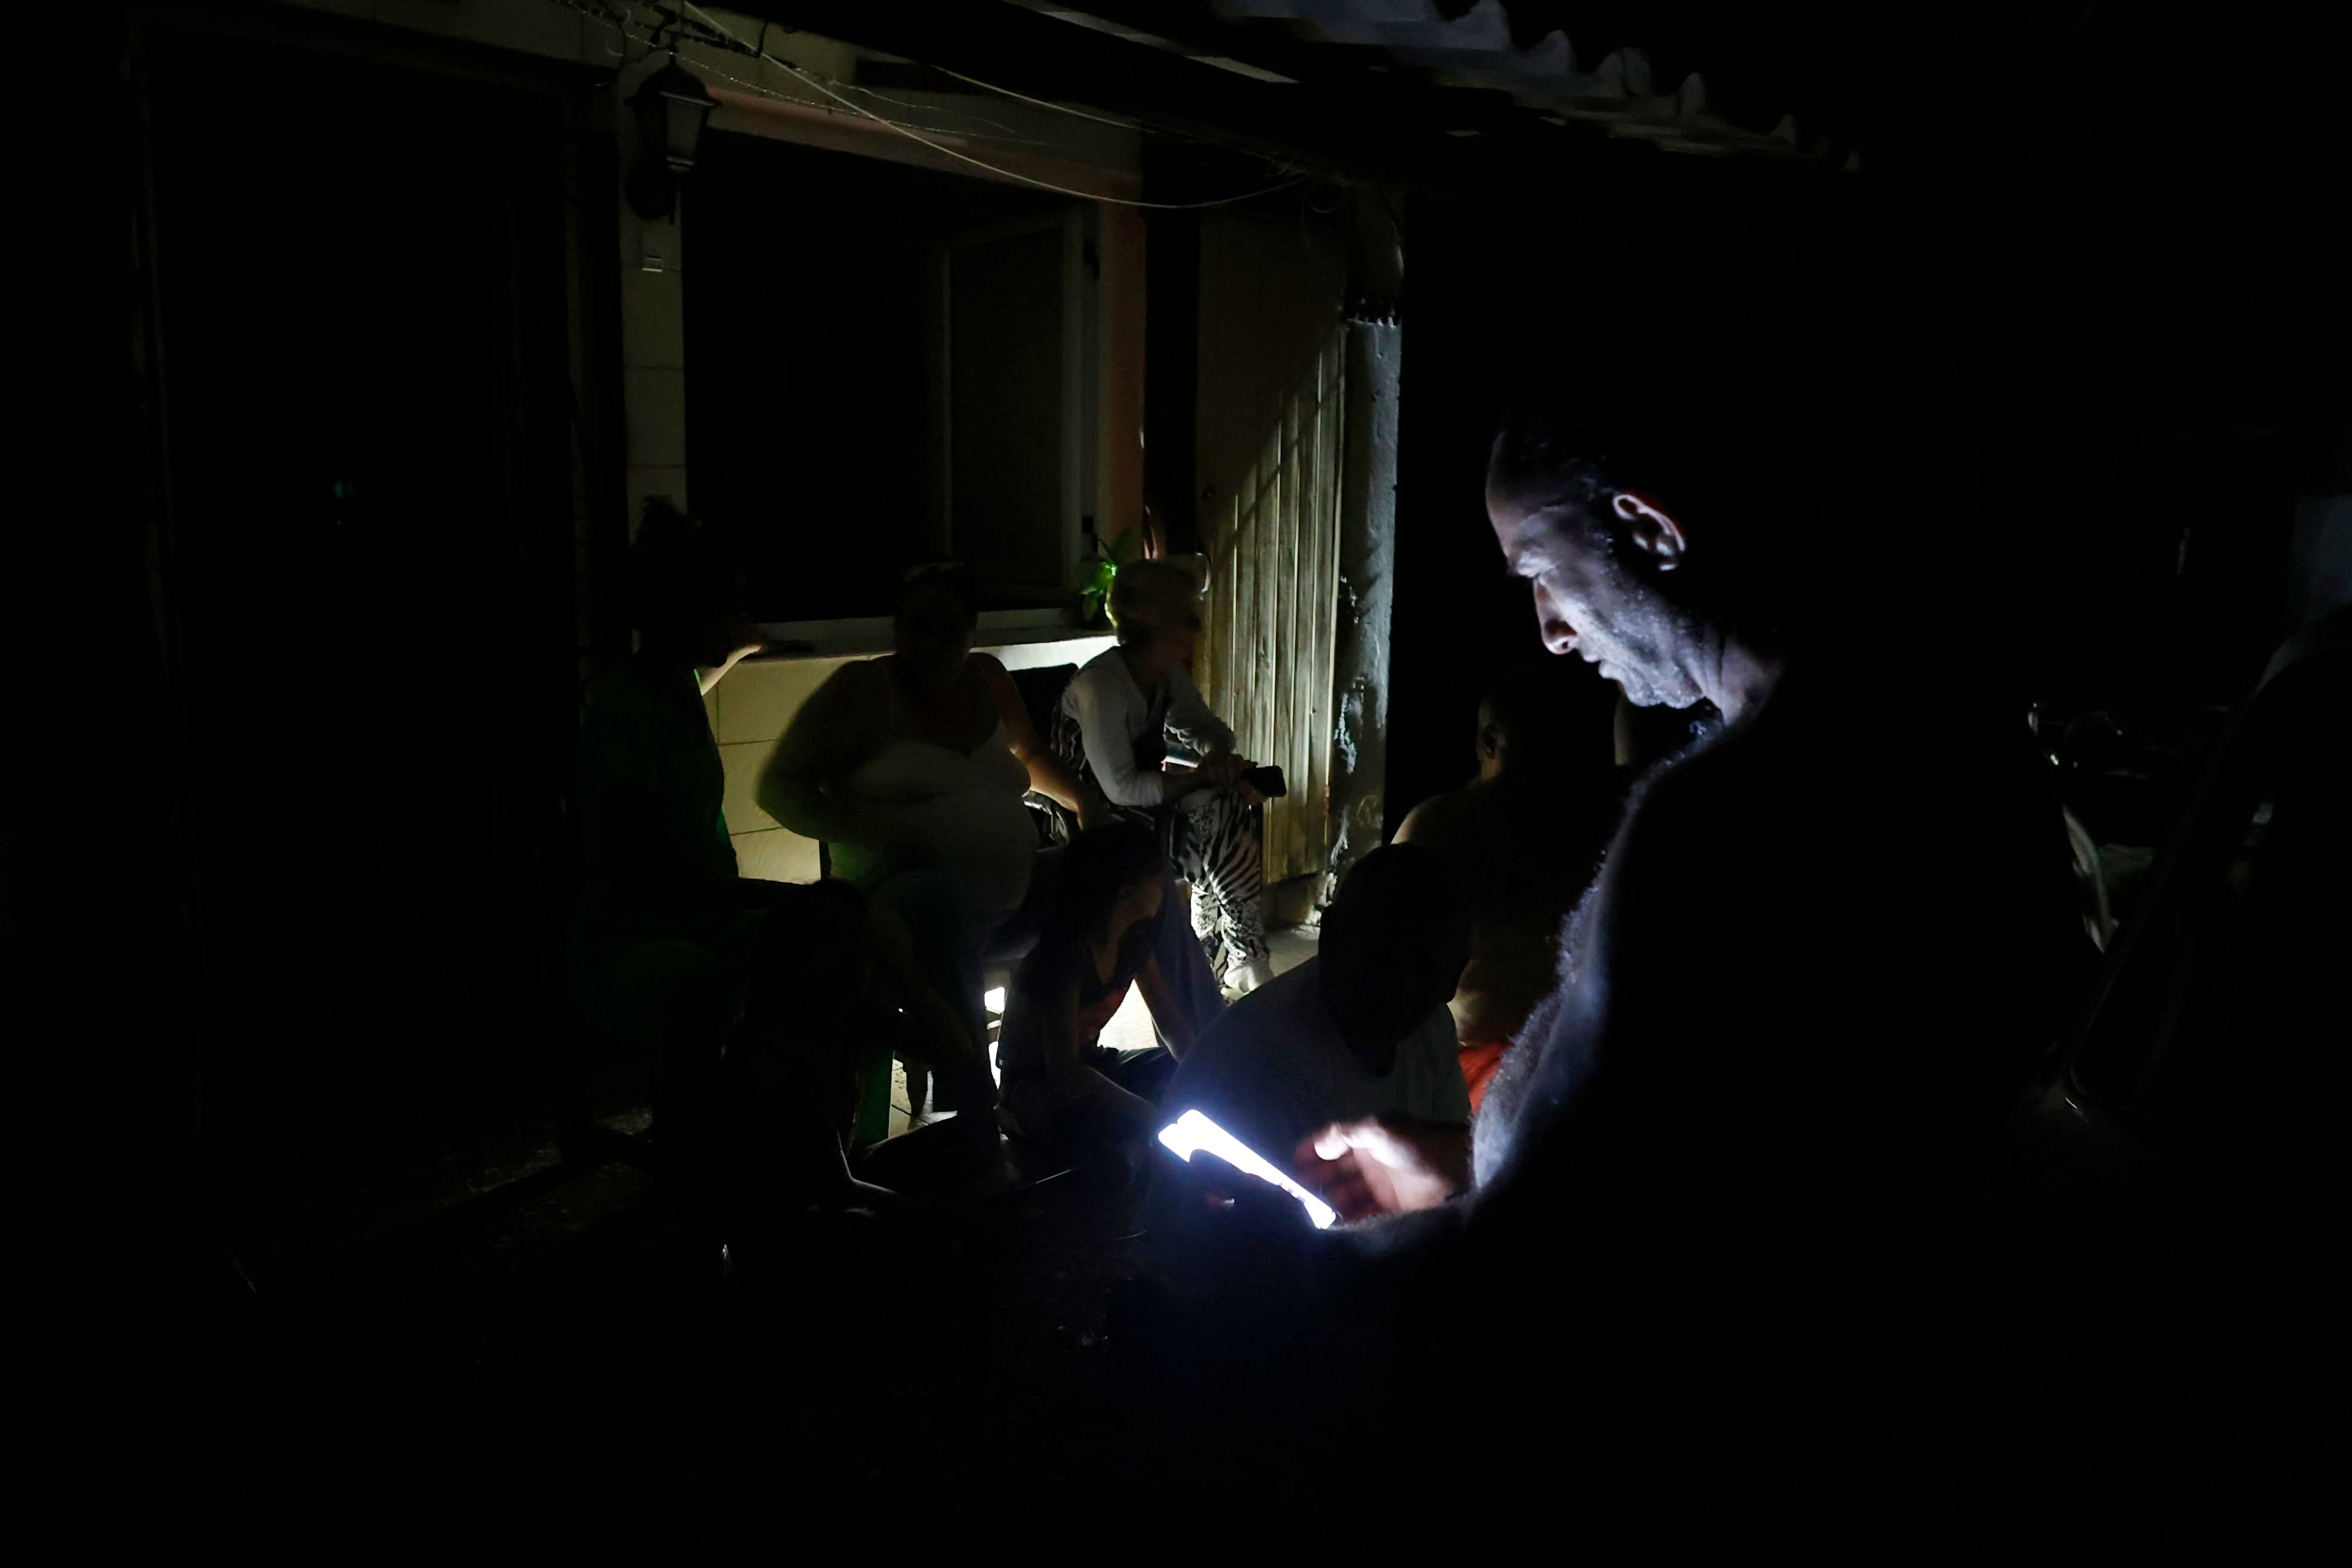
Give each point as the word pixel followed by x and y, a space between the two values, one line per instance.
pixel 1590 604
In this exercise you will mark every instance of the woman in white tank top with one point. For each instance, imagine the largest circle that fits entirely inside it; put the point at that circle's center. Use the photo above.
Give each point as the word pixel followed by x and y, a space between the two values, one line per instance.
pixel 912 767
pixel 932 804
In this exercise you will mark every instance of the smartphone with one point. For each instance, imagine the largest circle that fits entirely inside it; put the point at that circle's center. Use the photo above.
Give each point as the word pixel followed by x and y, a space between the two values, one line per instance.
pixel 1193 1130
pixel 1267 781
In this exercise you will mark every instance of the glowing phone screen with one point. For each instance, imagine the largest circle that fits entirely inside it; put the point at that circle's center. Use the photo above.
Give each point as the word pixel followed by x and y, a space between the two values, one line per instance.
pixel 1193 1130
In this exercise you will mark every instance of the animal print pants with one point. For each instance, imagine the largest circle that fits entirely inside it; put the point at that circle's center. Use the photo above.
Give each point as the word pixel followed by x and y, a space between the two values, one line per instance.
pixel 1215 847
pixel 1213 842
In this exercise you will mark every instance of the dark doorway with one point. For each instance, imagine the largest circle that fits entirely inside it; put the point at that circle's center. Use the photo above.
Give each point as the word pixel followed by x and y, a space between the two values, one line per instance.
pixel 365 342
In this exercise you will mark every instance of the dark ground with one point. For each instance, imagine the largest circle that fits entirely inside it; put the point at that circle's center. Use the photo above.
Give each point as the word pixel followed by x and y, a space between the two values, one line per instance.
pixel 446 1339
pixel 449 1333
pixel 453 1343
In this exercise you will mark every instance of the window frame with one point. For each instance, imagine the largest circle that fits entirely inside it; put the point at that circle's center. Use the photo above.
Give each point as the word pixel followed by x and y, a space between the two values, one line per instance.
pixel 1080 444
pixel 1080 382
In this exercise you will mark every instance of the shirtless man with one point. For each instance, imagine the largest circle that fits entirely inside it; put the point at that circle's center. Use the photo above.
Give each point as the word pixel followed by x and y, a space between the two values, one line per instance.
pixel 1524 838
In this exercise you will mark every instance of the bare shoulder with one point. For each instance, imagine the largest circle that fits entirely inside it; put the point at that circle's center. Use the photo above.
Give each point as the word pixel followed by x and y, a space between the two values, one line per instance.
pixel 986 672
pixel 995 690
pixel 1440 821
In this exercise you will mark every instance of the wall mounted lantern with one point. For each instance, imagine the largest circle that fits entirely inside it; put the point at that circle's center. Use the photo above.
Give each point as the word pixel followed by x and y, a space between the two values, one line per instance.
pixel 672 106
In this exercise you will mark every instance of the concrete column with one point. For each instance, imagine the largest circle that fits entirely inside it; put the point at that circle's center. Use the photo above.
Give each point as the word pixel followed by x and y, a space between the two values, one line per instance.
pixel 653 326
pixel 1367 540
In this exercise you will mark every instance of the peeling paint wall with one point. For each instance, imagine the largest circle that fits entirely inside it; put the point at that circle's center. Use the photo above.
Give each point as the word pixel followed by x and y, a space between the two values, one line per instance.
pixel 1359 738
pixel 1360 741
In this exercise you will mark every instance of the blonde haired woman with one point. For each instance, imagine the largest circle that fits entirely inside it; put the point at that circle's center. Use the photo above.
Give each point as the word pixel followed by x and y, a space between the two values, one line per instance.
pixel 1113 727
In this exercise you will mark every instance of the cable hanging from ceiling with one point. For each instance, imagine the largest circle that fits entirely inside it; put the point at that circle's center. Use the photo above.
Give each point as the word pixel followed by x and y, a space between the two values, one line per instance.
pixel 1041 102
pixel 649 37
pixel 724 38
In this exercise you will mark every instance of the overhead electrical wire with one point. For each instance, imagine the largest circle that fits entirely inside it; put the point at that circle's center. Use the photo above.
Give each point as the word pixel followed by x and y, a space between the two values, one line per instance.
pixel 719 37
pixel 652 38
pixel 756 88
pixel 1013 174
pixel 1006 131
pixel 1040 102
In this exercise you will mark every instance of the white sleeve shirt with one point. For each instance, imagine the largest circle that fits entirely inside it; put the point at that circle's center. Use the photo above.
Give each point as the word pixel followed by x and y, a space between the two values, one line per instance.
pixel 1114 713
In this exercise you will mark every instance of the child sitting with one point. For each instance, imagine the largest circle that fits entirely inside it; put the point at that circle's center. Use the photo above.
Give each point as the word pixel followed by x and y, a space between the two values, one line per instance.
pixel 1109 931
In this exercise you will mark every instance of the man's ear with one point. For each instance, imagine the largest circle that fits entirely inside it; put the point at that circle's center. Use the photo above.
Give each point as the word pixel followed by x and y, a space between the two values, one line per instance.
pixel 1651 528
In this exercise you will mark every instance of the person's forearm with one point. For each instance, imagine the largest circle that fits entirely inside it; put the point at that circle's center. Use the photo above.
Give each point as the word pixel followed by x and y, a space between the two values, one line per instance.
pixel 809 809
pixel 1439 1151
pixel 1123 782
pixel 1107 723
pixel 1192 717
pixel 1175 1020
pixel 1050 778
pixel 1183 782
pixel 1093 1086
pixel 825 741
pixel 707 676
pixel 1066 1067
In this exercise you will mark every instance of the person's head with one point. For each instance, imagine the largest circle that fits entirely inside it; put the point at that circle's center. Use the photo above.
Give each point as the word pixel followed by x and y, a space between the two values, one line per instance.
pixel 685 590
pixel 1526 723
pixel 931 633
pixel 1646 494
pixel 1155 606
pixel 1394 943
pixel 1111 876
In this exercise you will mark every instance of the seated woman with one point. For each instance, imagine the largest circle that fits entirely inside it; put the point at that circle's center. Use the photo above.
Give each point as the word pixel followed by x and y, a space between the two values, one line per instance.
pixel 1112 728
pixel 1103 936
pixel 912 766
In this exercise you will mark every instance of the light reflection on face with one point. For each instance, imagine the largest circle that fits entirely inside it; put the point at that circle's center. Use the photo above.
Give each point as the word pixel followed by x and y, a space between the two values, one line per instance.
pixel 1589 603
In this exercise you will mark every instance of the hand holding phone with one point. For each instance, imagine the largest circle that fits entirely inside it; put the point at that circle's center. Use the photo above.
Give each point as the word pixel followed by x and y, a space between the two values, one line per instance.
pixel 1267 781
pixel 1193 1132
pixel 1385 1165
